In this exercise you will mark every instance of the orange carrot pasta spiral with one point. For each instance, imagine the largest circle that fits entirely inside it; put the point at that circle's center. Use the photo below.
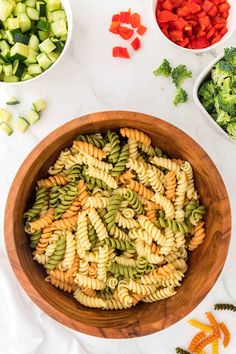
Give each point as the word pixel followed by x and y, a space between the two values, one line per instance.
pixel 74 268
pixel 226 334
pixel 93 270
pixel 64 224
pixel 170 185
pixel 89 292
pixel 195 341
pixel 140 189
pixel 198 237
pixel 42 222
pixel 83 194
pixel 43 241
pixel 151 214
pixel 90 149
pixel 214 324
pixel 204 343
pixel 72 210
pixel 136 134
pixel 53 181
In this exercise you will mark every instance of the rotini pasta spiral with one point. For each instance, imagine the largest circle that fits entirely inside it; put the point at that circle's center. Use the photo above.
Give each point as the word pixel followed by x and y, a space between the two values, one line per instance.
pixel 53 181
pixel 119 167
pixel 89 149
pixel 41 201
pixel 60 163
pixel 136 134
pixel 114 152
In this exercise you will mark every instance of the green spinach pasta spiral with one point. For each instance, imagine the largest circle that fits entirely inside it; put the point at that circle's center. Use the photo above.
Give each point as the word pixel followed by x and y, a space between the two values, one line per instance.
pixel 114 220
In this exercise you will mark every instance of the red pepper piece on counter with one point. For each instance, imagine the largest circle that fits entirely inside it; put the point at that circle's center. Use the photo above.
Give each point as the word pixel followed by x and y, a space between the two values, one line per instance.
pixel 125 17
pixel 136 44
pixel 125 32
pixel 114 27
pixel 141 30
pixel 115 18
pixel 135 20
pixel 166 16
pixel 120 52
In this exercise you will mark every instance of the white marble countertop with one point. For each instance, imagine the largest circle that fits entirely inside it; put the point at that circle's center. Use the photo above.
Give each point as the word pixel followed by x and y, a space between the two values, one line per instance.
pixel 87 80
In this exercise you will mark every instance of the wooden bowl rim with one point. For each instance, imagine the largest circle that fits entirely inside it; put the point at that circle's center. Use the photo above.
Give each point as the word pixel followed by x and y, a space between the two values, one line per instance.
pixel 9 234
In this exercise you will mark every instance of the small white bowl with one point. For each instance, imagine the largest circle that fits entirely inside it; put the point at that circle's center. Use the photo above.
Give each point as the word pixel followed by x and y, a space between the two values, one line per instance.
pixel 231 24
pixel 67 7
pixel 201 78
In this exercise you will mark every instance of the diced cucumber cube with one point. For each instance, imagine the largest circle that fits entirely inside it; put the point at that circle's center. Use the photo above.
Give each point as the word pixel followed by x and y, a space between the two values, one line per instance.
pixel 32 13
pixel 7 69
pixel 1 68
pixel 4 45
pixel 53 56
pixel 59 28
pixel 13 23
pixel 32 57
pixel 6 9
pixel 5 55
pixel 54 4
pixel 44 61
pixel 43 35
pixel 34 69
pixel 9 37
pixel 13 101
pixel 21 124
pixel 41 7
pixel 5 116
pixel 21 38
pixel 19 9
pixel 30 3
pixel 39 105
pixel 11 78
pixel 63 38
pixel 4 127
pixel 25 23
pixel 18 68
pixel 19 51
pixel 34 42
pixel 42 25
pixel 58 15
pixel 26 77
pixel 32 116
pixel 47 46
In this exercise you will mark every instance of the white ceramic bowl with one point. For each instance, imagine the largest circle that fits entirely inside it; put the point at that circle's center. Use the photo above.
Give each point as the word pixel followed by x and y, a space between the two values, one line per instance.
pixel 231 24
pixel 67 7
pixel 202 77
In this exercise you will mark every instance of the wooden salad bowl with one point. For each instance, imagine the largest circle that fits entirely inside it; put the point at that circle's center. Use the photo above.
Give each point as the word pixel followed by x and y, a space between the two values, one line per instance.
pixel 205 263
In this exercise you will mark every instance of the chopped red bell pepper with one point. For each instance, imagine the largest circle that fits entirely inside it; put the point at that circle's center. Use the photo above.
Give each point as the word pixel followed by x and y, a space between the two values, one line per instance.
pixel 135 20
pixel 176 35
pixel 125 32
pixel 182 11
pixel 210 33
pixel 224 7
pixel 180 24
pixel 192 7
pixel 168 5
pixel 200 43
pixel 141 30
pixel 115 18
pixel 114 27
pixel 204 22
pixel 166 16
pixel 216 39
pixel 125 17
pixel 136 44
pixel 120 52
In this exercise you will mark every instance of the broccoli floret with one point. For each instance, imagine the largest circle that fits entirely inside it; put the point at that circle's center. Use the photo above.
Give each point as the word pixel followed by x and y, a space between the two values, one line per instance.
pixel 221 71
pixel 226 85
pixel 231 130
pixel 180 73
pixel 222 118
pixel 164 69
pixel 181 96
pixel 230 56
pixel 227 103
pixel 206 95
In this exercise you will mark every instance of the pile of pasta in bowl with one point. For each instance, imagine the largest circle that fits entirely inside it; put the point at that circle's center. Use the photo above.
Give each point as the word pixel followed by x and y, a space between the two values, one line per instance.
pixel 114 220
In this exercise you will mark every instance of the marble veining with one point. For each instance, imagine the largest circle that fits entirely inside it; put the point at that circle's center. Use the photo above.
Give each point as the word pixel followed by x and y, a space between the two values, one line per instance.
pixel 88 79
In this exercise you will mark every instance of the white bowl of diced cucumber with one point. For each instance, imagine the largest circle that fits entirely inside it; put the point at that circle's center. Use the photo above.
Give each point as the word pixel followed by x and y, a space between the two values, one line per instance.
pixel 34 36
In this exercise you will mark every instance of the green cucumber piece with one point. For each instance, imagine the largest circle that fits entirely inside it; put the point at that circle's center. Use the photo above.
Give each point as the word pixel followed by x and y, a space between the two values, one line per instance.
pixel 19 9
pixel 30 3
pixel 34 42
pixel 21 38
pixel 4 45
pixel 12 101
pixel 5 116
pixel 41 7
pixel 4 127
pixel 6 9
pixel 54 5
pixel 32 13
pixel 25 23
pixel 7 68
pixel 9 37
pixel 13 23
pixel 21 124
pixel 19 51
pixel 34 69
pixel 18 68
pixel 47 46
pixel 32 116
pixel 26 77
pixel 42 25
pixel 32 57
pixel 59 45
pixel 44 61
pixel 11 78
pixel 39 105
pixel 6 56
pixel 1 68
pixel 58 15
pixel 53 56
pixel 59 28
pixel 43 35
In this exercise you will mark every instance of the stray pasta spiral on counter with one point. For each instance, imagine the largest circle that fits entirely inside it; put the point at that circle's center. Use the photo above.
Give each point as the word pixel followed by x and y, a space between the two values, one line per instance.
pixel 113 222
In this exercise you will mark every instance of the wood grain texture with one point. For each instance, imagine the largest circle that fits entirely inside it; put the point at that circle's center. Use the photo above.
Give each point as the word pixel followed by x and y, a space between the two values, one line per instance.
pixel 205 264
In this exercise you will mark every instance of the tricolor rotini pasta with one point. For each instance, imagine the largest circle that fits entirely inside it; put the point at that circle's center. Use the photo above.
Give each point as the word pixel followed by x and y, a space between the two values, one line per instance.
pixel 114 219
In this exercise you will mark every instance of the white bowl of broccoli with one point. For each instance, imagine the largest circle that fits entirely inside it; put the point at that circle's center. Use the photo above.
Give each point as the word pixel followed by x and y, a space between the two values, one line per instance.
pixel 215 93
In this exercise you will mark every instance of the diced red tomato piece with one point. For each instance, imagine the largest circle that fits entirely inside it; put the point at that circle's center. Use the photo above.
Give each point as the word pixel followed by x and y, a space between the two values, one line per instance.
pixel 176 35
pixel 166 16
pixel 125 16
pixel 167 5
pixel 114 27
pixel 216 39
pixel 135 20
pixel 200 43
pixel 192 7
pixel 180 23
pixel 125 32
pixel 120 52
pixel 204 22
pixel 136 43
pixel 224 7
pixel 210 33
pixel 182 11
pixel 141 30
pixel 116 18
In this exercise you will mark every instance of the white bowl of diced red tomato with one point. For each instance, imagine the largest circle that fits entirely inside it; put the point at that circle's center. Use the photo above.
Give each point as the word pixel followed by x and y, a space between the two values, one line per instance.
pixel 195 25
pixel 34 36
